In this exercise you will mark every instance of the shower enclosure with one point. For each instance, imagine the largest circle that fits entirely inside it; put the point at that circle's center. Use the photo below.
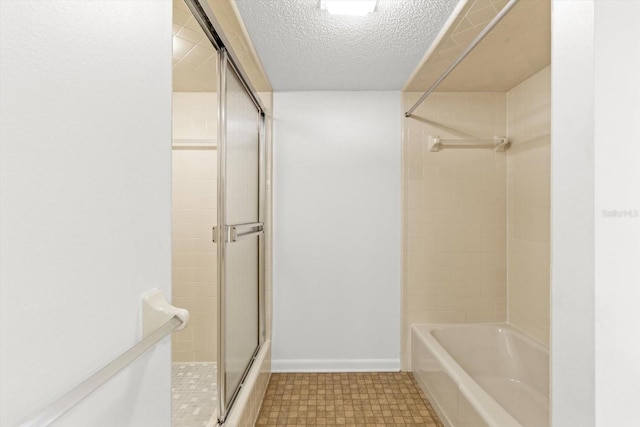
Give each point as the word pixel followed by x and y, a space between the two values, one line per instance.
pixel 239 235
pixel 219 144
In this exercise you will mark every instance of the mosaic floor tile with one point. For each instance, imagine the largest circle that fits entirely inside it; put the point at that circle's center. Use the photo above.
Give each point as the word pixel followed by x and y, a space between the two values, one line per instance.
pixel 193 393
pixel 346 399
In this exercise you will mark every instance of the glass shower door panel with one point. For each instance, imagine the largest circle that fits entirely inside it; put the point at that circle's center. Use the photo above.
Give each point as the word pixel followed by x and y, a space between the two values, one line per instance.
pixel 242 310
pixel 243 154
pixel 242 255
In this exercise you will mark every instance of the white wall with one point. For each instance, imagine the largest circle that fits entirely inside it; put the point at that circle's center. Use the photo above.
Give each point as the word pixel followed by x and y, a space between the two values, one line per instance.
pixel 596 198
pixel 337 206
pixel 572 273
pixel 85 203
pixel 617 219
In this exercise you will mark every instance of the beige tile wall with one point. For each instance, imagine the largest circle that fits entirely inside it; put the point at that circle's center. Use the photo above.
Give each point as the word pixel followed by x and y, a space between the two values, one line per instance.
pixel 528 123
pixel 194 254
pixel 195 116
pixel 509 54
pixel 454 213
pixel 194 57
pixel 476 231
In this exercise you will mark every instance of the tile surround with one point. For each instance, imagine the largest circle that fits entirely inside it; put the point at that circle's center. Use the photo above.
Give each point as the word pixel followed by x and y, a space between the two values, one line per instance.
pixel 194 267
pixel 195 116
pixel 194 212
pixel 454 213
pixel 475 222
pixel 194 57
pixel 529 230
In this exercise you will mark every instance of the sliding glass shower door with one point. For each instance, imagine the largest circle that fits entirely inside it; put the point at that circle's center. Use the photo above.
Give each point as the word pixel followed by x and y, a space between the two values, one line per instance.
pixel 240 231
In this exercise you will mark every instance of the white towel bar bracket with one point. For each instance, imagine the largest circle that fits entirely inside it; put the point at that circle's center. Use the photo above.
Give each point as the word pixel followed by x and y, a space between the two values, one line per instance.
pixel 156 311
pixel 435 143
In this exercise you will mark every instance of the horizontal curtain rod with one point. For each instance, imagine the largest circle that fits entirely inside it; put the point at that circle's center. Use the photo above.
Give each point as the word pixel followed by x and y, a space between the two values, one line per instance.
pixel 464 54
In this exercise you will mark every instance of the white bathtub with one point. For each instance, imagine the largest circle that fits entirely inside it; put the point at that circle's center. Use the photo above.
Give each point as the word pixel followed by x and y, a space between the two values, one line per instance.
pixel 482 375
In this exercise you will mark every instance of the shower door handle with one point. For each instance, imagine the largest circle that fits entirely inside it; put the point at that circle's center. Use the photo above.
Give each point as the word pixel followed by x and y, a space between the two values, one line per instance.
pixel 243 231
pixel 233 233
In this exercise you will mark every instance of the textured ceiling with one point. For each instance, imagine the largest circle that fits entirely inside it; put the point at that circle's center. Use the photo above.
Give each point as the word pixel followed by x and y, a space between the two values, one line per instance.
pixel 518 47
pixel 305 48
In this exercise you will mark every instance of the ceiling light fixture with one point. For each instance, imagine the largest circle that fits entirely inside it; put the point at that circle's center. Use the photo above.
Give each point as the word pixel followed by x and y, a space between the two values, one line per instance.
pixel 348 7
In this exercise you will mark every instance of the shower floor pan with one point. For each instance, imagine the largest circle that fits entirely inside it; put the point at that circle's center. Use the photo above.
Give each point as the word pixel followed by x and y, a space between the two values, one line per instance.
pixel 193 394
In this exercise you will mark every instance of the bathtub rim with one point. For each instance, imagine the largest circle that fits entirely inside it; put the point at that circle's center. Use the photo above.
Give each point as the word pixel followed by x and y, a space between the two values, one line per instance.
pixel 485 405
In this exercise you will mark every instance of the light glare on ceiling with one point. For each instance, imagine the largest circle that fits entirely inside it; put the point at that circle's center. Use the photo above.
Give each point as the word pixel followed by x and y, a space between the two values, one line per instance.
pixel 348 7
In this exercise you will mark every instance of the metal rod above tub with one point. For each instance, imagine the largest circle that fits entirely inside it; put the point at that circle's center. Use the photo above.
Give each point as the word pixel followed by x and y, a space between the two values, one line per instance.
pixel 464 54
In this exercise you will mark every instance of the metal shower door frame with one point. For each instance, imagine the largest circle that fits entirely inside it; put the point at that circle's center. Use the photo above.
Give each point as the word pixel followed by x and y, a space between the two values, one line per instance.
pixel 224 234
pixel 227 61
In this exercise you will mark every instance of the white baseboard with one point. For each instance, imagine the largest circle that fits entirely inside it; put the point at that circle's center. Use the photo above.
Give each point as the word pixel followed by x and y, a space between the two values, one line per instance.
pixel 336 365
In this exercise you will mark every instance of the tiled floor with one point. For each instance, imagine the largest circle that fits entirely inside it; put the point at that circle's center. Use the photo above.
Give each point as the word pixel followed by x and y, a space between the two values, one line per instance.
pixel 193 393
pixel 350 399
